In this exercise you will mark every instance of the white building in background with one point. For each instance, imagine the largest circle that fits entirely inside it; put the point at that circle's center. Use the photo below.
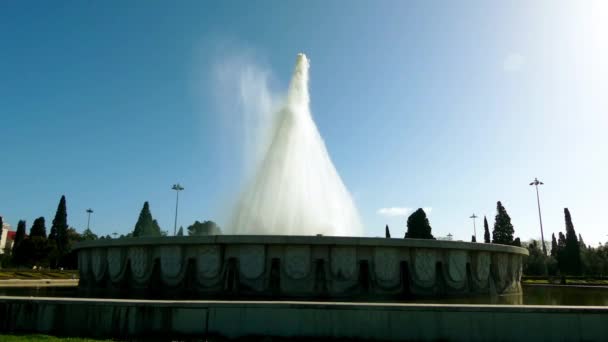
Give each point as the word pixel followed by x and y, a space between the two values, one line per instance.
pixel 7 237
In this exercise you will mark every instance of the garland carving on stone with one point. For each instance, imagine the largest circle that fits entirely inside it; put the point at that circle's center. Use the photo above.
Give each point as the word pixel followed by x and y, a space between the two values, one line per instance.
pixel 457 265
pixel 502 265
pixel 171 263
pixel 424 265
pixel 297 261
pixel 208 261
pixel 138 257
pixel 115 257
pixel 343 262
pixel 83 261
pixel 98 263
pixel 386 263
pixel 482 266
pixel 251 260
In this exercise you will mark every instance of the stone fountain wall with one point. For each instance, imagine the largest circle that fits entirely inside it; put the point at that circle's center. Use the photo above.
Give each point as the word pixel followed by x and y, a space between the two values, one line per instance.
pixel 299 267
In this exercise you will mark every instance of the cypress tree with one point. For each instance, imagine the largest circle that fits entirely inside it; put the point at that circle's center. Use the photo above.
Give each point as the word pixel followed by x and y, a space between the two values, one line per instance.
pixel 418 226
pixel 560 254
pixel 38 228
pixel 486 231
pixel 20 234
pixel 553 246
pixel 572 251
pixel 387 232
pixel 180 231
pixel 503 229
pixel 146 225
pixel 59 230
pixel 581 243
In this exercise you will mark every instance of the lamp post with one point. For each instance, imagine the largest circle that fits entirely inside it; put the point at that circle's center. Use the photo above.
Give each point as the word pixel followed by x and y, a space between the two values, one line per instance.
pixel 89 212
pixel 177 187
pixel 474 228
pixel 536 183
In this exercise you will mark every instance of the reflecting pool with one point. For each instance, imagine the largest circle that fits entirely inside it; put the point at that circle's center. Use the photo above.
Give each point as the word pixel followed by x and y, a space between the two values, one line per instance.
pixel 532 295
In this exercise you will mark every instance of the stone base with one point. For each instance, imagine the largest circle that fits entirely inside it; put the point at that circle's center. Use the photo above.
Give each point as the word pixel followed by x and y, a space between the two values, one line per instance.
pixel 175 320
pixel 298 267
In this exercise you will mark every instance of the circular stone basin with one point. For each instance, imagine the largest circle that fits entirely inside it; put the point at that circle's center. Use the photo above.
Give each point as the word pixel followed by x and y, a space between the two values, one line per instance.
pixel 256 266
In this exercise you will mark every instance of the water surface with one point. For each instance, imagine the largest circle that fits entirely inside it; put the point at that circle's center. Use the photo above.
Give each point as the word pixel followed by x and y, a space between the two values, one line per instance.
pixel 532 295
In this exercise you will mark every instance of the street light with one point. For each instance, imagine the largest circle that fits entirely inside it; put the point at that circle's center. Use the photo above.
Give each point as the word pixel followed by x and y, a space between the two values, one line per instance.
pixel 536 183
pixel 177 187
pixel 89 212
pixel 474 228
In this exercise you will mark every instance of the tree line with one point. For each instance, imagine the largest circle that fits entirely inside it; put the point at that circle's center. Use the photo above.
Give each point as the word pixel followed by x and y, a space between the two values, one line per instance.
pixel 569 255
pixel 38 248
pixel 55 249
pixel 419 227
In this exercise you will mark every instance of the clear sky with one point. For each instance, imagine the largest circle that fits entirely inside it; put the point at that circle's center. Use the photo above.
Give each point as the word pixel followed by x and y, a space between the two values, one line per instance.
pixel 445 105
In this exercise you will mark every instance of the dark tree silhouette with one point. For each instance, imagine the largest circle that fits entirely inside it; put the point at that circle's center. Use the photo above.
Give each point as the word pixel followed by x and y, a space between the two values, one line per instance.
pixel 486 231
pixel 517 242
pixel 38 228
pixel 503 229
pixel 180 231
pixel 204 228
pixel 581 243
pixel 89 235
pixel 473 239
pixel 387 232
pixel 59 230
pixel 560 254
pixel 418 226
pixel 17 255
pixel 20 234
pixel 146 225
pixel 553 246
pixel 572 251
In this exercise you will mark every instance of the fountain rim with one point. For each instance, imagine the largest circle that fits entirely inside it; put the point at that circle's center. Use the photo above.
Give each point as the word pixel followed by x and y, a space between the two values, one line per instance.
pixel 298 240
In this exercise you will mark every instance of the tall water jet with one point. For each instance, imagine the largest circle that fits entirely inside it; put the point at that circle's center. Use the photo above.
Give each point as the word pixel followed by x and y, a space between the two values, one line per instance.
pixel 296 189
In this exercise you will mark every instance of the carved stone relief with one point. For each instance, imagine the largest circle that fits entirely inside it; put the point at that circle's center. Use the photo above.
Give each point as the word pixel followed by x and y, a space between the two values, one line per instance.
pixel 343 262
pixel 386 263
pixel 297 261
pixel 171 261
pixel 457 265
pixel 424 264
pixel 252 259
pixel 115 257
pixel 208 261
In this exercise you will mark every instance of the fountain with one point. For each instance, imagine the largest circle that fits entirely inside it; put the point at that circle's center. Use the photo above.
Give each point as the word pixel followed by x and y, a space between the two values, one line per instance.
pixel 295 194
pixel 296 189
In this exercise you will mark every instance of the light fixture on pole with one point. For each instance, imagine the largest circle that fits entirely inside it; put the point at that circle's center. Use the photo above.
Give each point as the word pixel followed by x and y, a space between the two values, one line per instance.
pixel 89 212
pixel 474 228
pixel 177 187
pixel 536 183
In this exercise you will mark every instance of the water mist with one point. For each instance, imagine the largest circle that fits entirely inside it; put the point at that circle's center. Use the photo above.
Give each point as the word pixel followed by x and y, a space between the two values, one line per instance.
pixel 296 189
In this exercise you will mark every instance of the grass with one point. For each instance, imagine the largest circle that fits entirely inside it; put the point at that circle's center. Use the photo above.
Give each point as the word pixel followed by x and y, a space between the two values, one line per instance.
pixel 27 338
pixel 31 274
pixel 569 281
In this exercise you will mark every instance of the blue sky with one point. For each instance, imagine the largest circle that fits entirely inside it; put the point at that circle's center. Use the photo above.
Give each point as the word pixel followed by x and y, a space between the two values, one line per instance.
pixel 445 105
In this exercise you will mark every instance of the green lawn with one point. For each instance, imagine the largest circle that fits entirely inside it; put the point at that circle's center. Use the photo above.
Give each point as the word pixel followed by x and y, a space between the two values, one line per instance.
pixel 557 281
pixel 31 274
pixel 24 338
